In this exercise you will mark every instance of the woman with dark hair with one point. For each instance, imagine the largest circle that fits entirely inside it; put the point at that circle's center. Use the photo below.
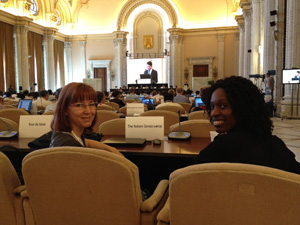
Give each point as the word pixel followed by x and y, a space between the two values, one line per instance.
pixel 237 111
pixel 75 115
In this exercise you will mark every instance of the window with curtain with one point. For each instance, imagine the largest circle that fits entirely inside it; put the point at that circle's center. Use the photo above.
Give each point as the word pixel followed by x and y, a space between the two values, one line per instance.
pixel 35 60
pixel 7 55
pixel 59 65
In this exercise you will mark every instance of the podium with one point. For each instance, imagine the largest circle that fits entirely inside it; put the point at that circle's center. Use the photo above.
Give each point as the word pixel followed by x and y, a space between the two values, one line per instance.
pixel 143 81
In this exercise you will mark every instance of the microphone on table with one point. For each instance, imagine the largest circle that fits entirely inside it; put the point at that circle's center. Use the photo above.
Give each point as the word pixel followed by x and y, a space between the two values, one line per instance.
pixel 179 135
pixel 7 133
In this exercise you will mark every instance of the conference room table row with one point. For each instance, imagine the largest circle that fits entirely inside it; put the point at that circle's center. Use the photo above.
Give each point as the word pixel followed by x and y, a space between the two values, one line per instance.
pixel 155 162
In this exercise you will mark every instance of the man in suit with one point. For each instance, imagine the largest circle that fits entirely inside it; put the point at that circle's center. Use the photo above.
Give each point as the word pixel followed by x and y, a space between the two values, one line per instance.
pixel 151 72
pixel 180 97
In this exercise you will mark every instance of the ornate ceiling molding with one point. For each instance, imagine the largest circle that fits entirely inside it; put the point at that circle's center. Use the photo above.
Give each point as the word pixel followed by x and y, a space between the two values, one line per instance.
pixel 133 4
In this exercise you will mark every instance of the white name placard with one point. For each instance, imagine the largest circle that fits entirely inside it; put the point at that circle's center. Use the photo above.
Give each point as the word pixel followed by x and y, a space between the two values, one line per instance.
pixel 149 128
pixel 135 109
pixel 34 126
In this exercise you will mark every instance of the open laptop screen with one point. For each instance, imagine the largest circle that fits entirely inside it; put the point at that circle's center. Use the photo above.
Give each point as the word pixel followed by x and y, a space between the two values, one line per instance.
pixel 198 102
pixel 148 101
pixel 25 103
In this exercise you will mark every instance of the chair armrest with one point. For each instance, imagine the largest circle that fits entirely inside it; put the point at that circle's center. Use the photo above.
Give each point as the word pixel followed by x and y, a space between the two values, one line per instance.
pixel 149 204
pixel 163 217
pixel 19 190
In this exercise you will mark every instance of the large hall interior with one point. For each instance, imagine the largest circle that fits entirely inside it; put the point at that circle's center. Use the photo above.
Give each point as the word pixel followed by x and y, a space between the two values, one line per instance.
pixel 191 44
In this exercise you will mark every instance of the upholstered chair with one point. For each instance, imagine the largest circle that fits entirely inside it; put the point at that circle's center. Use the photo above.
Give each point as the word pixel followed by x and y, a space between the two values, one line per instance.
pixel 172 108
pixel 6 124
pixel 105 107
pixel 232 193
pixel 13 114
pixel 11 210
pixel 76 186
pixel 186 106
pixel 197 128
pixel 113 127
pixel 170 118
pixel 113 105
pixel 196 115
pixel 103 116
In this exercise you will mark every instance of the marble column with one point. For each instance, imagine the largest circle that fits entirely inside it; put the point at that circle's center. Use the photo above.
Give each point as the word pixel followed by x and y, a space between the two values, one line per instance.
pixel 68 57
pixel 120 43
pixel 269 40
pixel 291 51
pixel 82 45
pixel 21 58
pixel 176 57
pixel 247 11
pixel 237 57
pixel 262 35
pixel 255 38
pixel 241 23
pixel 221 52
pixel 49 66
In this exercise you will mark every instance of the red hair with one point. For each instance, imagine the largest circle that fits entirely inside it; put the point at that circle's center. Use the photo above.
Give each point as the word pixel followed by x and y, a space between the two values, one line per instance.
pixel 71 93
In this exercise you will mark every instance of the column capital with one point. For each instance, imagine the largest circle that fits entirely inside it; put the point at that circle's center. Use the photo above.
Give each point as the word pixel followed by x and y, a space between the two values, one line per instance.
pixel 68 44
pixel 50 31
pixel 175 31
pixel 120 34
pixel 82 44
pixel 220 37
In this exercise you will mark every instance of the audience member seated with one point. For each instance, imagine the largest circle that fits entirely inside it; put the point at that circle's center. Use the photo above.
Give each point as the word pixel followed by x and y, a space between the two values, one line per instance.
pixel 132 95
pixel 116 98
pixel 168 101
pixel 42 101
pixel 237 111
pixel 74 116
pixel 100 98
pixel 52 106
pixel 180 97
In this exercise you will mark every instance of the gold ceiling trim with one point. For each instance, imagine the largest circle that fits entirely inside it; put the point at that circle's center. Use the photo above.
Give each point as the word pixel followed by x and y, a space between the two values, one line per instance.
pixel 133 4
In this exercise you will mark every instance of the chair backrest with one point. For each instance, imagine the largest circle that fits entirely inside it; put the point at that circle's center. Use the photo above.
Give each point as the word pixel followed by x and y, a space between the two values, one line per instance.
pixel 186 106
pixel 113 105
pixel 113 127
pixel 196 115
pixel 8 182
pixel 197 128
pixel 13 114
pixel 74 185
pixel 170 118
pixel 105 107
pixel 123 110
pixel 102 116
pixel 48 113
pixel 231 193
pixel 129 101
pixel 172 108
pixel 6 124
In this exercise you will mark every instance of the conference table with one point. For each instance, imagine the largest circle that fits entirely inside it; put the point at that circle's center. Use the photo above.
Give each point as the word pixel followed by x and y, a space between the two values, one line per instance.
pixel 155 162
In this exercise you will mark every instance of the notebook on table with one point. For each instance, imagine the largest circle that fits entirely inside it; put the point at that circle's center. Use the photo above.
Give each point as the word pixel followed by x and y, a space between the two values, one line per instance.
pixel 125 141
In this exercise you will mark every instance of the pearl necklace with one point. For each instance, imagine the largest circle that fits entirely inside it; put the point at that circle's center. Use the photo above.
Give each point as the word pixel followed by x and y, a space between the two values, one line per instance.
pixel 77 138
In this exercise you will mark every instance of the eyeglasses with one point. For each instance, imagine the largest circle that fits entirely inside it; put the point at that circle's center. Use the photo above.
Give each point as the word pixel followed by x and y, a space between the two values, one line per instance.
pixel 81 106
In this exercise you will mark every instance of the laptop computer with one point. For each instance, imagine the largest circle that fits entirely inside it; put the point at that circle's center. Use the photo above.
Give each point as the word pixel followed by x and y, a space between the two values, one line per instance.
pixel 25 103
pixel 199 102
pixel 125 141
pixel 148 101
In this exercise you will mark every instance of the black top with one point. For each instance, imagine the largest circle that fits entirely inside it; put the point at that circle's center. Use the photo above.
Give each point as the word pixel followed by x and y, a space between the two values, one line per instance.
pixel 118 101
pixel 240 146
pixel 64 139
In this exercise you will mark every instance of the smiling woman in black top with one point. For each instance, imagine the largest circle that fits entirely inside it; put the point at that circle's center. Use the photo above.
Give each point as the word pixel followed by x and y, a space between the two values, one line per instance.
pixel 237 111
